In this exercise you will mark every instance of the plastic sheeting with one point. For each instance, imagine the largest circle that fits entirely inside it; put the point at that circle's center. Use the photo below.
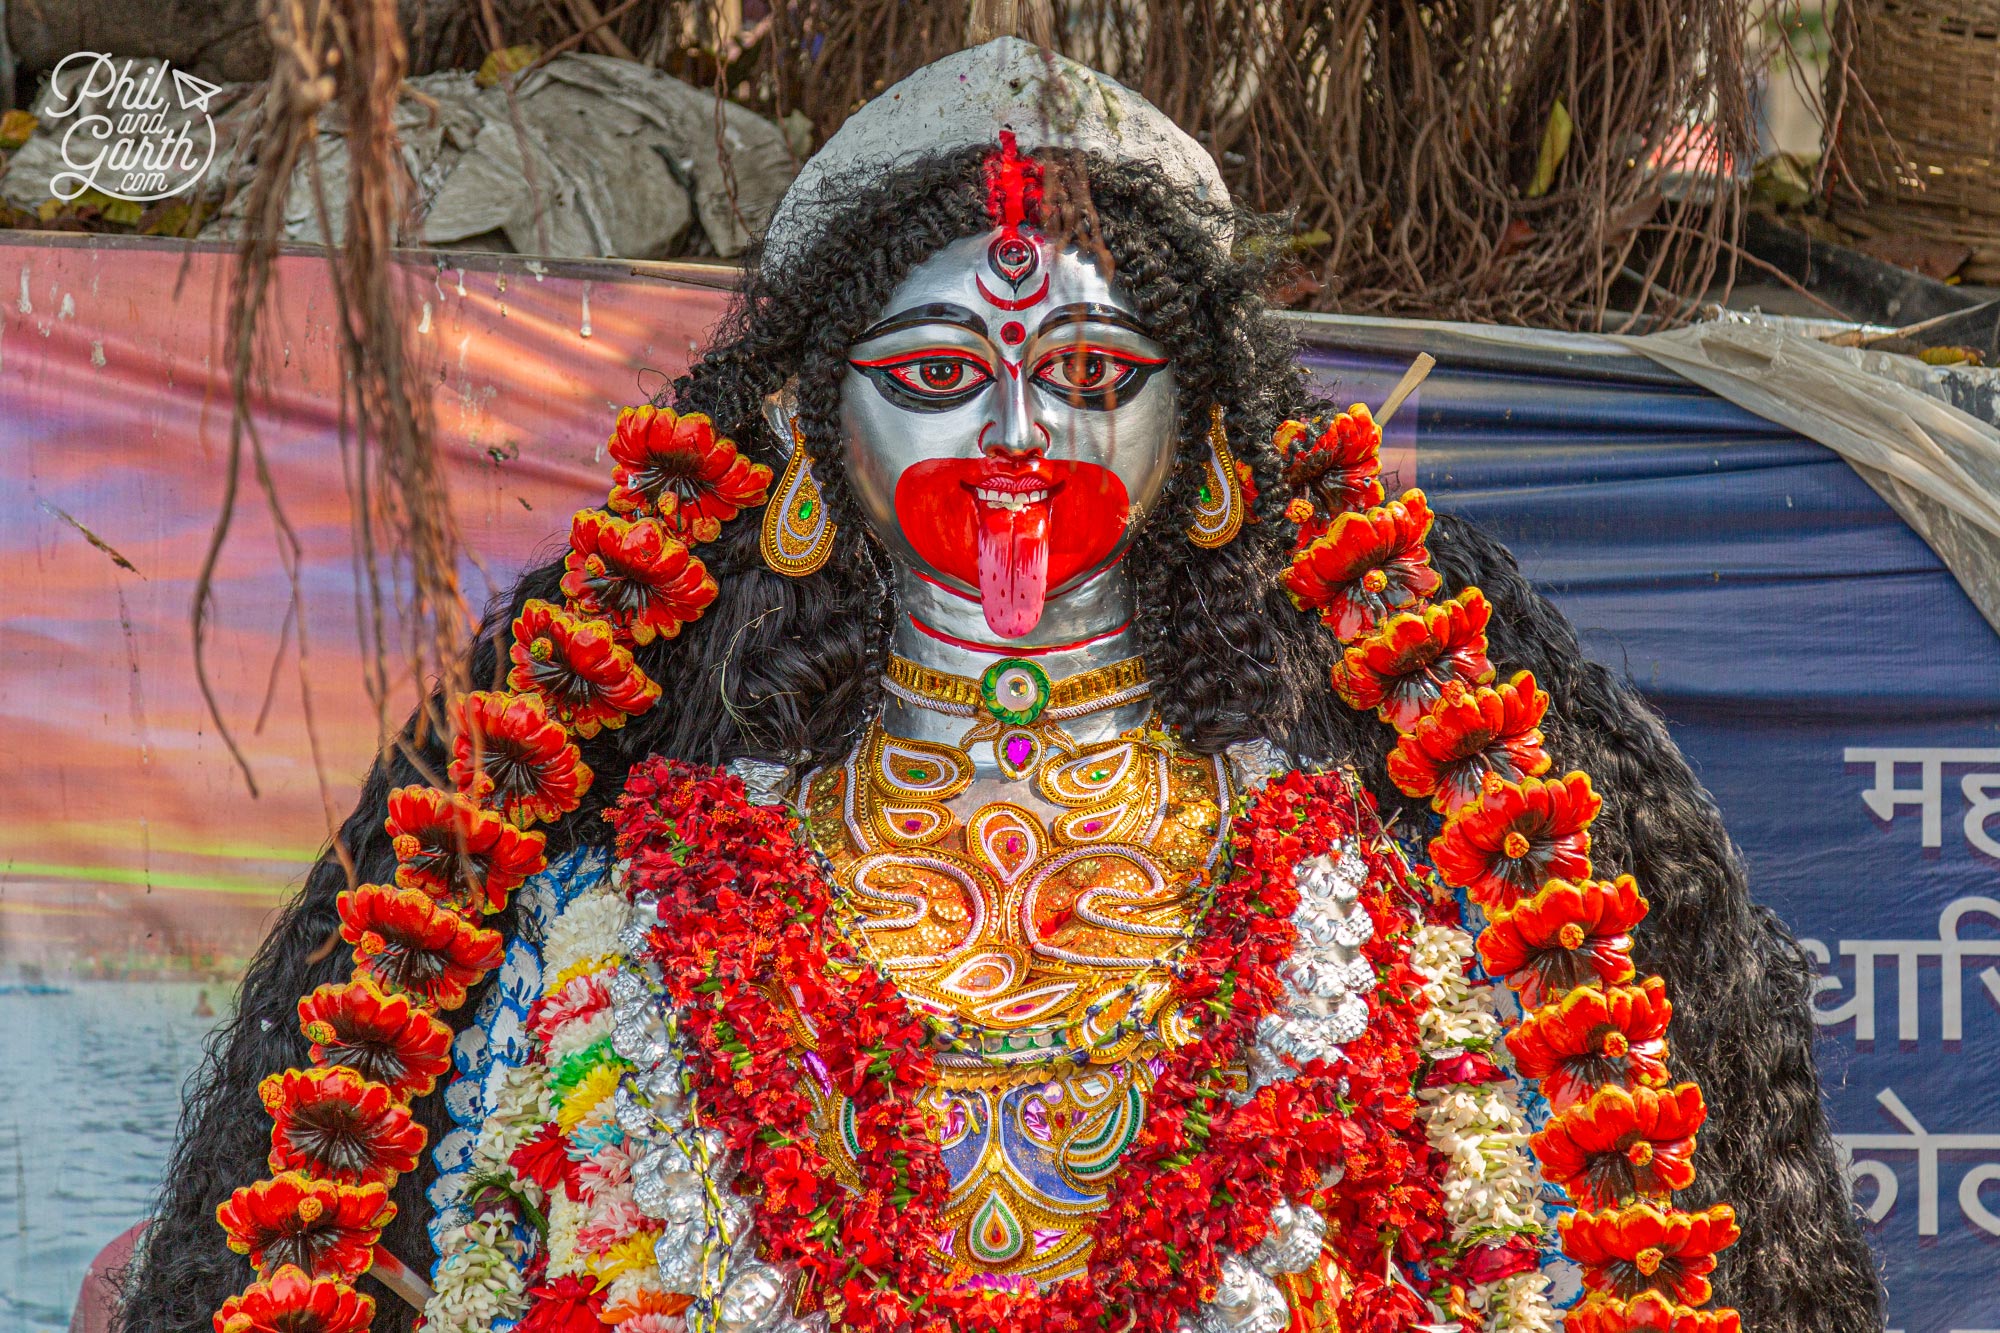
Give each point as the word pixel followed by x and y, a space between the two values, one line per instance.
pixel 1937 466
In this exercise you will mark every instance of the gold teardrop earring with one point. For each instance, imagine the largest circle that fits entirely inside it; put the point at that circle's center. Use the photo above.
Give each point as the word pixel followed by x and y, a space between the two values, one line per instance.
pixel 797 536
pixel 1220 507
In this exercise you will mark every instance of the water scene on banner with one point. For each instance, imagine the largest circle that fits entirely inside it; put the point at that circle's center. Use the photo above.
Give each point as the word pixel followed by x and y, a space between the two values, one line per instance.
pixel 85 1133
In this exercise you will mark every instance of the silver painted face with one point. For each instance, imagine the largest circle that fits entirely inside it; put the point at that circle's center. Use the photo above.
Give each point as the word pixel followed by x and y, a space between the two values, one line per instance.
pixel 1009 421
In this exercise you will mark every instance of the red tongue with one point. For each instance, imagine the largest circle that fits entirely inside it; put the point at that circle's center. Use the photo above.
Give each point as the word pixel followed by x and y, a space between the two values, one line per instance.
pixel 1013 566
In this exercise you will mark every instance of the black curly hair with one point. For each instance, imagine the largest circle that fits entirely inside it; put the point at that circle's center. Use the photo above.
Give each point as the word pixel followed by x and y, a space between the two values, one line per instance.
pixel 790 669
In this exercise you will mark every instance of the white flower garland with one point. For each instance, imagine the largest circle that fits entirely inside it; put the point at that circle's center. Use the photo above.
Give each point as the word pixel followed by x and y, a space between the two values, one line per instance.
pixel 1490 1187
pixel 600 1236
pixel 478 1278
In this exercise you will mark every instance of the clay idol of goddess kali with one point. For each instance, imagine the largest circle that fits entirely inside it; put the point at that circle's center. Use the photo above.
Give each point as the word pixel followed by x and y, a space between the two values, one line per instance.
pixel 1000 822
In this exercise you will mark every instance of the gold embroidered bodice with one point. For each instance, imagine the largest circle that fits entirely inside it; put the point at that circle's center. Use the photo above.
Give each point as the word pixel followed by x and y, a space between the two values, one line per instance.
pixel 1033 922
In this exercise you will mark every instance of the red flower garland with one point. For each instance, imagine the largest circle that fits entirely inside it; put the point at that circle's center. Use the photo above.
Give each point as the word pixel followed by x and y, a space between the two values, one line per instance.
pixel 1341 468
pixel 1403 668
pixel 1623 1143
pixel 1519 847
pixel 325 1228
pixel 1566 936
pixel 376 1040
pixel 742 907
pixel 1369 565
pixel 451 849
pixel 292 1302
pixel 634 575
pixel 405 941
pixel 1646 1313
pixel 511 755
pixel 586 678
pixel 1592 1036
pixel 336 1125
pixel 1517 836
pixel 1639 1248
pixel 387 1038
pixel 1468 734
pixel 676 468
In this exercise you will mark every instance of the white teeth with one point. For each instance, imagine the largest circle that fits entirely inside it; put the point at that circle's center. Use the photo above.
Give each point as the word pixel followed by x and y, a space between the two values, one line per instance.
pixel 1010 499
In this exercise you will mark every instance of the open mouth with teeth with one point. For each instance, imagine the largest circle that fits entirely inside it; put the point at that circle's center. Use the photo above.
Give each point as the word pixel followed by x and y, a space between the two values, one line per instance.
pixel 1014 529
pixel 1015 500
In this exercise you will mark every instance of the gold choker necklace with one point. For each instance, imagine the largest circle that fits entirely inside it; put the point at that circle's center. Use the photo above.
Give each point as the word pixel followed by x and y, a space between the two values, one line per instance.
pixel 1017 692
pixel 1015 704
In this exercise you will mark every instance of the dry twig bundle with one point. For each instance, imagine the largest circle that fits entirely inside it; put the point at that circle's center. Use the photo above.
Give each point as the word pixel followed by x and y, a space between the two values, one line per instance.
pixel 1455 159
pixel 1408 138
pixel 348 58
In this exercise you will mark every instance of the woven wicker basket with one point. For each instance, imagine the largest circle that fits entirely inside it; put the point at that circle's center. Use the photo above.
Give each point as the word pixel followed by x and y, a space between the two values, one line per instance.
pixel 1929 163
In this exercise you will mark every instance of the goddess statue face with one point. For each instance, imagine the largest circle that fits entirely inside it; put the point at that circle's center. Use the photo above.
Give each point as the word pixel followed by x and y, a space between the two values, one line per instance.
pixel 1009 422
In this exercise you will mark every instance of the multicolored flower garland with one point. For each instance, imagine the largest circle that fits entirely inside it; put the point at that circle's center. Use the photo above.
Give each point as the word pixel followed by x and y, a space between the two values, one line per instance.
pixel 342 1130
pixel 742 912
pixel 1621 1139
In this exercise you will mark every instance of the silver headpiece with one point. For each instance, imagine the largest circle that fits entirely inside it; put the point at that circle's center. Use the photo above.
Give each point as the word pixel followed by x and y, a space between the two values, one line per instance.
pixel 968 98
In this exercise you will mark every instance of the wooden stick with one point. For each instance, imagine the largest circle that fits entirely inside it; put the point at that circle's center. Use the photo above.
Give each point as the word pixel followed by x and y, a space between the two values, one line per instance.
pixel 1405 387
pixel 394 1274
pixel 574 39
pixel 1862 338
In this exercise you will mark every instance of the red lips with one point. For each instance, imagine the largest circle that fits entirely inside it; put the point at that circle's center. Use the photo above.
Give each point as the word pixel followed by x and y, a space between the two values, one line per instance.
pixel 1011 547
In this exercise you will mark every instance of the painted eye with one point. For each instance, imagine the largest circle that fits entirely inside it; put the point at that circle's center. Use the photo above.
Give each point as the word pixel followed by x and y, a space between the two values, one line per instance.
pixel 936 380
pixel 1085 370
pixel 941 376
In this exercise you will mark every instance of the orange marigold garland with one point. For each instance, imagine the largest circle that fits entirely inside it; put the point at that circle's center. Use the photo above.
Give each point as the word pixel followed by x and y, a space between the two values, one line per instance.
pixel 1402 668
pixel 1620 1141
pixel 677 469
pixel 342 1130
pixel 450 848
pixel 1517 836
pixel 292 1302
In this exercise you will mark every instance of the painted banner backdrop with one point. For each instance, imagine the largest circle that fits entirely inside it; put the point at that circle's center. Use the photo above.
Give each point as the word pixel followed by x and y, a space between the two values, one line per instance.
pixel 1831 684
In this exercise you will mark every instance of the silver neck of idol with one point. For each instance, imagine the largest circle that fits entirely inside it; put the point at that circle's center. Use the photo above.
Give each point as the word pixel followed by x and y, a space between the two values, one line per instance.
pixel 1088 627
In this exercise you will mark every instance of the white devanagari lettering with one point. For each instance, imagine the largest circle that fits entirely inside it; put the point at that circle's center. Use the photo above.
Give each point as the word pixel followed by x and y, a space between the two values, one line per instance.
pixel 1948 948
pixel 1982 802
pixel 1926 1146
pixel 1884 797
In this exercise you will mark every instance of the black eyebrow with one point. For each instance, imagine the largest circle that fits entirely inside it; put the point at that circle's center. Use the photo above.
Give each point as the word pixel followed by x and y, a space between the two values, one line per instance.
pixel 1090 312
pixel 916 316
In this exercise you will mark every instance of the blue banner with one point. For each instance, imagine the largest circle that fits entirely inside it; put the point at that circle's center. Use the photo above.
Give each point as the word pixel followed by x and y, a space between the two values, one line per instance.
pixel 1832 687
